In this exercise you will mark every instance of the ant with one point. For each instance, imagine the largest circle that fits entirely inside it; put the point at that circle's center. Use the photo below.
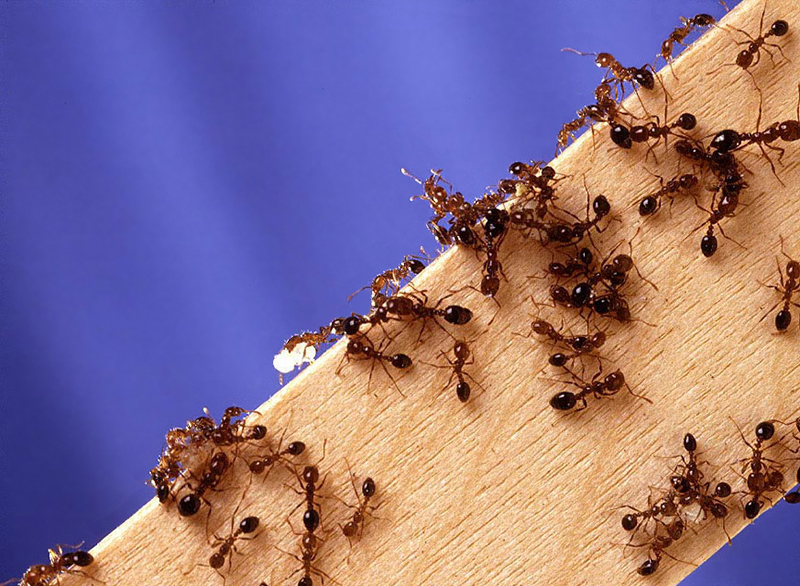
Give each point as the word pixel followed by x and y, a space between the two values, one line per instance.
pixel 752 54
pixel 606 109
pixel 462 356
pixel 726 209
pixel 574 233
pixel 609 385
pixel 680 33
pixel 302 348
pixel 624 137
pixel 579 345
pixel 787 289
pixel 650 204
pixel 227 546
pixel 609 304
pixel 415 305
pixel 60 563
pixel 387 283
pixel 495 230
pixel 190 504
pixel 361 348
pixel 763 477
pixel 262 463
pixel 644 76
pixel 355 526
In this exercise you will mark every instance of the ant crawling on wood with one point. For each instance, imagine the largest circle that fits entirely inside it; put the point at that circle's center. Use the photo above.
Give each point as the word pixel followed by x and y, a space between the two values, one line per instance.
pixel 624 137
pixel 226 546
pixel 360 347
pixel 650 204
pixel 60 563
pixel 618 74
pixel 355 525
pixel 605 387
pixel 752 54
pixel 765 474
pixel 462 356
pixel 388 283
pixel 267 462
pixel 787 288
pixel 576 345
pixel 680 33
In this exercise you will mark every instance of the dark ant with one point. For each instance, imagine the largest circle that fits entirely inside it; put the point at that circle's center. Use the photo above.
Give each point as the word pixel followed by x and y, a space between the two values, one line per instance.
pixel 355 526
pixel 752 54
pixel 495 230
pixel 535 184
pixel 786 289
pixel 190 504
pixel 262 463
pixel 311 521
pixel 574 233
pixel 644 76
pixel 609 385
pixel 609 304
pixel 580 345
pixel 226 546
pixel 361 348
pixel 415 305
pixel 462 357
pixel 763 477
pixel 624 137
pixel 650 204
pixel 726 209
pixel 680 33
pixel 60 563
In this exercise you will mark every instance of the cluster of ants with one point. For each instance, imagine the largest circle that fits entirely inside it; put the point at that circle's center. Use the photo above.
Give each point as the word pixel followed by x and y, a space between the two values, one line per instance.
pixel 198 457
pixel 688 500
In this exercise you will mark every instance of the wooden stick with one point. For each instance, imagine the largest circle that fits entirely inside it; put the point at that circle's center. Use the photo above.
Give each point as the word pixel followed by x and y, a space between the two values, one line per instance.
pixel 505 490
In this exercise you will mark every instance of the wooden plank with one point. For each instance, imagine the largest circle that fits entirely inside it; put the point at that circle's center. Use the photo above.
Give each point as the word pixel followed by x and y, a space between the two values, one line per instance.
pixel 505 490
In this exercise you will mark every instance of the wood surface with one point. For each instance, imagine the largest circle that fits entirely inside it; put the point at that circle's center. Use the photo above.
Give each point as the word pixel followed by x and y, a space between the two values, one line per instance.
pixel 505 490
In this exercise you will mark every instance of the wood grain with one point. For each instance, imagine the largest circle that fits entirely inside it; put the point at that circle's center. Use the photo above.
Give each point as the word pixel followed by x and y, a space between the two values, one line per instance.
pixel 504 490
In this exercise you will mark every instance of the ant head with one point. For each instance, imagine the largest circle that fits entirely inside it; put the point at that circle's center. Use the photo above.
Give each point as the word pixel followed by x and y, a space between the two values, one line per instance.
pixel 310 474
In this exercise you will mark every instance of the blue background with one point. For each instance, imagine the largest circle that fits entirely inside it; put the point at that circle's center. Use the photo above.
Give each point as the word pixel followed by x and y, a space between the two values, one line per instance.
pixel 185 185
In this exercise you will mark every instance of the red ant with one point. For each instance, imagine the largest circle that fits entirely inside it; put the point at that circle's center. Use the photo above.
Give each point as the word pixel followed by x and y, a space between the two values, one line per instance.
pixel 388 283
pixel 226 546
pixel 643 76
pixel 680 33
pixel 765 475
pixel 650 204
pixel 608 386
pixel 624 137
pixel 60 563
pixel 786 289
pixel 752 54
pixel 462 356
pixel 362 348
pixel 355 526
pixel 262 463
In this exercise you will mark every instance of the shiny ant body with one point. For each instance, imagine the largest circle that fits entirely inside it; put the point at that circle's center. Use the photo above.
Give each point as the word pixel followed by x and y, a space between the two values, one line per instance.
pixel 599 388
pixel 650 204
pixel 680 33
pixel 226 546
pixel 618 74
pixel 787 288
pixel 624 137
pixel 361 348
pixel 190 504
pixel 765 475
pixel 388 283
pixel 60 563
pixel 580 345
pixel 462 356
pixel 355 525
pixel 752 54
